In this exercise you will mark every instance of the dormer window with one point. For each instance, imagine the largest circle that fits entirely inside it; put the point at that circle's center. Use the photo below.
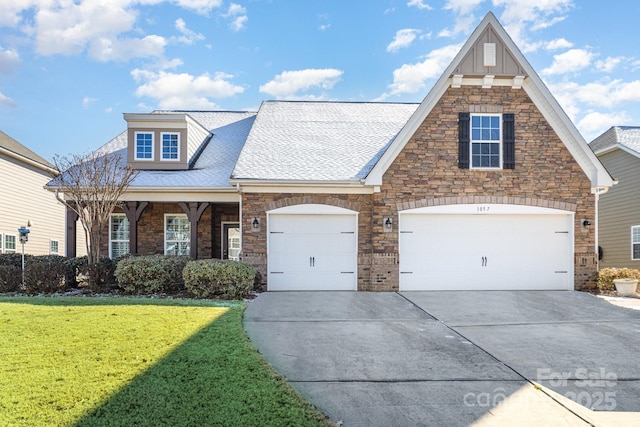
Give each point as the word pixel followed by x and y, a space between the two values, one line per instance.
pixel 144 146
pixel 170 146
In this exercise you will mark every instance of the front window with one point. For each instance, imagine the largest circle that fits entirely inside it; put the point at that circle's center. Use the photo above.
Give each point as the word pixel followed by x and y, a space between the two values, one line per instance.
pixel 177 235
pixel 144 146
pixel 118 235
pixel 170 144
pixel 9 243
pixel 635 242
pixel 486 139
pixel 54 246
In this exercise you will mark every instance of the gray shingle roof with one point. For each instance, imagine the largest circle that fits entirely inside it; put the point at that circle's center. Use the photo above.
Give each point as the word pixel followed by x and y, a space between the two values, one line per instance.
pixel 213 167
pixel 629 136
pixel 319 141
pixel 14 146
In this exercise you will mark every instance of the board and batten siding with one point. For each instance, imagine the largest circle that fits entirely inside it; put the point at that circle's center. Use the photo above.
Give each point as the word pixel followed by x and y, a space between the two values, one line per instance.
pixel 619 209
pixel 25 199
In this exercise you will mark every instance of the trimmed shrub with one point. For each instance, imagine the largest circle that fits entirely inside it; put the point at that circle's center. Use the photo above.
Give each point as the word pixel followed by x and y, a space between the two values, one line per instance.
pixel 606 276
pixel 150 274
pixel 10 278
pixel 14 259
pixel 101 276
pixel 46 274
pixel 214 278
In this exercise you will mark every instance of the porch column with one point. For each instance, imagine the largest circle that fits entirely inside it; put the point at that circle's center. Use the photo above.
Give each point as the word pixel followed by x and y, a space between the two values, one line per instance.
pixel 194 211
pixel 70 242
pixel 133 211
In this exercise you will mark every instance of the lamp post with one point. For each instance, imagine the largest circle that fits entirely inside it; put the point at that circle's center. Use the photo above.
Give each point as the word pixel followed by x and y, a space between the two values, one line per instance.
pixel 24 238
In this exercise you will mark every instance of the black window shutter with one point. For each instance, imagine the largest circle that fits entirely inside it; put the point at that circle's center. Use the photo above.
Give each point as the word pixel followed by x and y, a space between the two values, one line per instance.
pixel 508 141
pixel 463 140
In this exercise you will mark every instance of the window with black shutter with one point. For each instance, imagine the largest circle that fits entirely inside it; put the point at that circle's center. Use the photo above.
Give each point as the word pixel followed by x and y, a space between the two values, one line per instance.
pixel 486 141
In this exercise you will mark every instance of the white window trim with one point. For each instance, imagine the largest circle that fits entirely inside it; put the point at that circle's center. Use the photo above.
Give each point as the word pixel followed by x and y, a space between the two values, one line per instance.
pixel 165 230
pixel 4 246
pixel 57 251
pixel 135 146
pixel 632 243
pixel 112 240
pixel 177 159
pixel 499 142
pixel 1 243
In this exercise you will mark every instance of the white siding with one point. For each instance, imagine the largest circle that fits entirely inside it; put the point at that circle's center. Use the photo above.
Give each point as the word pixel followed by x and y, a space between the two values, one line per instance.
pixel 23 199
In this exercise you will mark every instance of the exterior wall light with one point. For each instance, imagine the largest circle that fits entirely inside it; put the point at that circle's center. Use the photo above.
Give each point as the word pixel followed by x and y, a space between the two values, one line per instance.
pixel 255 225
pixel 388 224
pixel 586 223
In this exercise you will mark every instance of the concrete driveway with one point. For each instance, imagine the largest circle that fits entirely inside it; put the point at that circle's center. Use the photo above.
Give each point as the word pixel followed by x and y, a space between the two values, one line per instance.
pixel 454 358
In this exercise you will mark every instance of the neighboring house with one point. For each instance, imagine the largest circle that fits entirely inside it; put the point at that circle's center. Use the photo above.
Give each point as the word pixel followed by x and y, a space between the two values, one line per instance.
pixel 619 209
pixel 486 184
pixel 26 203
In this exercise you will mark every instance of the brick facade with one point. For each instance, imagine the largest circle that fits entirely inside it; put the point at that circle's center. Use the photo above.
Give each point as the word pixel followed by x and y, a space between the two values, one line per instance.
pixel 426 173
pixel 151 228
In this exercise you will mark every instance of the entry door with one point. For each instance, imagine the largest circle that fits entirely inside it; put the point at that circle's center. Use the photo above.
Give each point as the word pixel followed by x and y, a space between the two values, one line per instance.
pixel 312 252
pixel 446 252
pixel 231 241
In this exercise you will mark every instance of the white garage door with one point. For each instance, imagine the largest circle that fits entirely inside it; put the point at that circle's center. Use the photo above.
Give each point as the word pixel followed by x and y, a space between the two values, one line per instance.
pixel 312 252
pixel 486 251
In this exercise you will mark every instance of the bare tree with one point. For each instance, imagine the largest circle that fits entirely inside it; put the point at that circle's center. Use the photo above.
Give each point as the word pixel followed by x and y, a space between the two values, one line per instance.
pixel 92 187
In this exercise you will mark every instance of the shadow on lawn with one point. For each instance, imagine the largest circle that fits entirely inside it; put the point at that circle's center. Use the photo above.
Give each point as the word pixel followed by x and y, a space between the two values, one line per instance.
pixel 214 378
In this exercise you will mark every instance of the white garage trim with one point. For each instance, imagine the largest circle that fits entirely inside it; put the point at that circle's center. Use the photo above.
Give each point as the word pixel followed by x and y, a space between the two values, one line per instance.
pixel 312 247
pixel 486 246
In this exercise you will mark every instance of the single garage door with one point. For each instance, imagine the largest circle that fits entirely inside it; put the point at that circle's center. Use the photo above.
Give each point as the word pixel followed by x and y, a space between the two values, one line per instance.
pixel 312 251
pixel 486 251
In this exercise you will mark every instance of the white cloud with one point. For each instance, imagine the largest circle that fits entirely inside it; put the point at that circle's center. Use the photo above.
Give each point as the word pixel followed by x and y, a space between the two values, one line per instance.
pixel 289 83
pixel 560 43
pixel 569 61
pixel 607 65
pixel 6 101
pixel 176 91
pixel 124 49
pixel 420 4
pixel 188 36
pixel 464 20
pixel 69 28
pixel 410 78
pixel 9 61
pixel 521 16
pixel 595 123
pixel 237 14
pixel 403 39
pixel 202 7
pixel 86 101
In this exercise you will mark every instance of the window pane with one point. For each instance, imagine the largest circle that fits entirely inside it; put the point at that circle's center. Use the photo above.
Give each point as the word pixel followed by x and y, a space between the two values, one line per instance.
pixel 486 120
pixel 484 148
pixel 10 243
pixel 495 122
pixel 119 228
pixel 495 161
pixel 636 251
pixel 144 145
pixel 475 134
pixel 119 249
pixel 635 232
pixel 486 134
pixel 475 121
pixel 495 134
pixel 495 148
pixel 170 146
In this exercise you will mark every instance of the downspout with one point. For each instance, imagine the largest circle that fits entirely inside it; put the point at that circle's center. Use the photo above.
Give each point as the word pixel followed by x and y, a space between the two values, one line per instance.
pixel 240 219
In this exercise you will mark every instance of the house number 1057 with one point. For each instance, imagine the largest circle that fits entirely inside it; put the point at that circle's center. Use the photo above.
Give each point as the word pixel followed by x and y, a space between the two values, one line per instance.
pixel 482 208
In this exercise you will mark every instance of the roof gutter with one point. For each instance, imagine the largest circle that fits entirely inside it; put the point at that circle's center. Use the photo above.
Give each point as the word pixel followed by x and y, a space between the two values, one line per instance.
pixel 28 161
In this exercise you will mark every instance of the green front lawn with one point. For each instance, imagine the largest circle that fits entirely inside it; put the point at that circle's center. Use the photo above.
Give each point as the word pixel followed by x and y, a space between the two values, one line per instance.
pixel 137 362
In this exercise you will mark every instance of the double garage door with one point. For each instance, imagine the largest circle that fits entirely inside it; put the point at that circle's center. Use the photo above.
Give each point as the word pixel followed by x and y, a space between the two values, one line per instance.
pixel 458 251
pixel 500 248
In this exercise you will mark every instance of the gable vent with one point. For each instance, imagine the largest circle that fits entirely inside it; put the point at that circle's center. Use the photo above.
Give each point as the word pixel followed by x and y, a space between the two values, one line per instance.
pixel 489 54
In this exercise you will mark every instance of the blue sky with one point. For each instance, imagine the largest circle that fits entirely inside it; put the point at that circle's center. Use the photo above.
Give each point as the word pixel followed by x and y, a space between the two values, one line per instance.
pixel 70 68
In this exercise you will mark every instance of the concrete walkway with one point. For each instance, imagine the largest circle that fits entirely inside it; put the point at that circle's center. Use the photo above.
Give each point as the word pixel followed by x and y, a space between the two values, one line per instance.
pixel 454 358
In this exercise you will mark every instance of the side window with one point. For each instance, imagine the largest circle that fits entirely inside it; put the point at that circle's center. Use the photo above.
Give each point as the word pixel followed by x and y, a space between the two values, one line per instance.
pixel 170 146
pixel 635 242
pixel 144 146
pixel 54 246
pixel 177 235
pixel 9 243
pixel 118 235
